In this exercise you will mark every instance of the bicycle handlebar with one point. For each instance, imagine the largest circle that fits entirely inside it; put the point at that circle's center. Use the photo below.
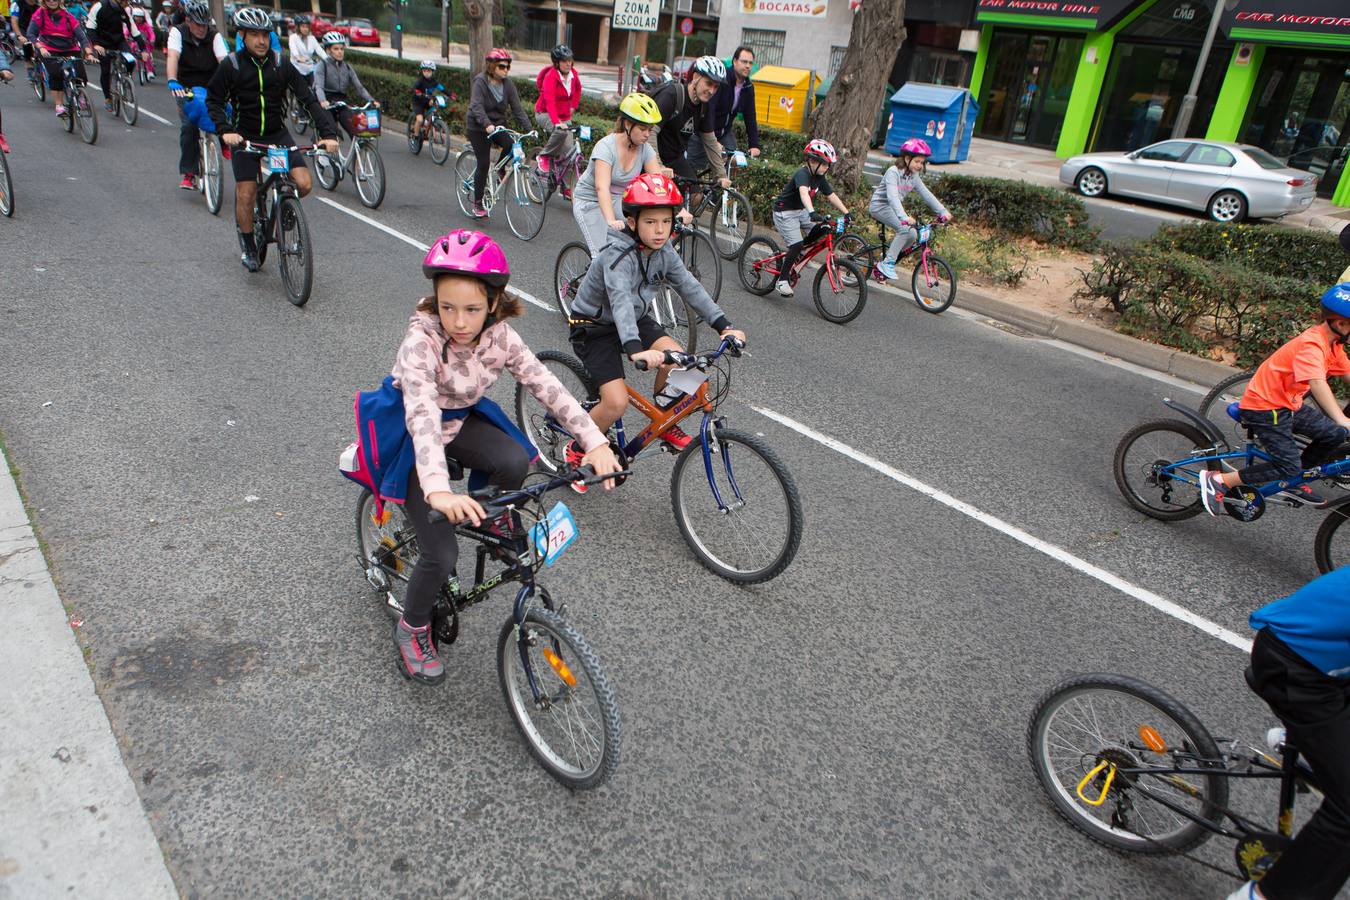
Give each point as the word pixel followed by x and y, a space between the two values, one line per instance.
pixel 495 501
pixel 698 361
pixel 261 149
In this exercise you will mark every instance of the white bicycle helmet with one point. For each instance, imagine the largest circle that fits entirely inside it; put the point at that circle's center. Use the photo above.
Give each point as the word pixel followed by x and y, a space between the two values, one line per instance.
pixel 251 18
pixel 334 37
pixel 712 68
pixel 197 11
pixel 427 64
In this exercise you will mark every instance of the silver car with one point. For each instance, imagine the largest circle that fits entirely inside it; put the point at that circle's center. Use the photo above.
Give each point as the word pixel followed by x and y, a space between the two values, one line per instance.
pixel 1228 182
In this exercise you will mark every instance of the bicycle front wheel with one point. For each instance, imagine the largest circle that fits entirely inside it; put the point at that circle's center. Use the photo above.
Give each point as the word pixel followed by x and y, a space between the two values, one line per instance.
pixel 370 179
pixel 526 209
pixel 1145 471
pixel 676 317
pixel 83 112
pixel 1331 547
pixel 754 534
pixel 326 169
pixel 465 165
pixel 839 299
pixel 439 139
pixel 700 257
pixel 210 175
pixel 297 259
pixel 544 432
pixel 757 271
pixel 1088 728
pixel 131 109
pixel 731 223
pixel 572 728
pixel 573 261
pixel 37 77
pixel 933 284
pixel 6 187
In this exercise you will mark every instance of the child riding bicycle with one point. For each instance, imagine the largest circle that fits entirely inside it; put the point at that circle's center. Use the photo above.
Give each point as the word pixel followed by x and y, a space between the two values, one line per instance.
pixel 1301 668
pixel 423 89
pixel 609 314
pixel 457 344
pixel 794 209
pixel 887 205
pixel 1273 407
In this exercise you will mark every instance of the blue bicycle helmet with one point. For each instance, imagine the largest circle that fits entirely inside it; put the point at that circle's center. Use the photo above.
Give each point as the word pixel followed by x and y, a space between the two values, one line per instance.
pixel 1337 300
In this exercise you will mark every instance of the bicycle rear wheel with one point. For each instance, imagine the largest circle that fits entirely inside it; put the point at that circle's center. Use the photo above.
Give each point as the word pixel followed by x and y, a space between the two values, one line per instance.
pixel 537 423
pixel 701 259
pixel 439 138
pixel 131 109
pixel 677 317
pixel 573 729
pixel 731 223
pixel 6 187
pixel 757 535
pixel 370 179
pixel 573 261
pixel 387 565
pixel 1145 474
pixel 1090 726
pixel 525 209
pixel 297 259
pixel 211 176
pixel 465 165
pixel 757 273
pixel 83 112
pixel 933 286
pixel 853 247
pixel 37 77
pixel 840 299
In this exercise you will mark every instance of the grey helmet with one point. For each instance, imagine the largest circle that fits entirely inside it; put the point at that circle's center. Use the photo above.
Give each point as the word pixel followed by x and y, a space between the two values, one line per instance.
pixel 197 11
pixel 333 37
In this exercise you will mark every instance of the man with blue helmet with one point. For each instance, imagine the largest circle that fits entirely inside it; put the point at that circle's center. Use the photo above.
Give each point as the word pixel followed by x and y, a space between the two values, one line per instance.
pixel 1273 407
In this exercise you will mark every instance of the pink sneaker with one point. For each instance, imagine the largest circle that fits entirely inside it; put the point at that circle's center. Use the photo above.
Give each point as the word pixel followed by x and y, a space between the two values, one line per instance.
pixel 479 212
pixel 188 183
pixel 60 111
pixel 4 144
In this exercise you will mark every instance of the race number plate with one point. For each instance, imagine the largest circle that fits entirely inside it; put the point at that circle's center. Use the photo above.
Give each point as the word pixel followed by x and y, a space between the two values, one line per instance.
pixel 440 100
pixel 585 132
pixel 739 159
pixel 555 534
pixel 686 380
pixel 925 233
pixel 278 160
pixel 372 119
pixel 518 152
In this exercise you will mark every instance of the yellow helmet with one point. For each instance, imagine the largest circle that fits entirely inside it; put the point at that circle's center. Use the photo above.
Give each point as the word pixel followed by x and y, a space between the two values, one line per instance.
pixel 641 109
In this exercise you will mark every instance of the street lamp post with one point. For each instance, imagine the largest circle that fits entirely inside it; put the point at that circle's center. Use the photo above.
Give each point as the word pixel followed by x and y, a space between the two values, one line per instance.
pixel 1188 102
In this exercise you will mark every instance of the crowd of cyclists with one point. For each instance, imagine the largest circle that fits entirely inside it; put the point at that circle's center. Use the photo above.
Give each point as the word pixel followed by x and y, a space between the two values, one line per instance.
pixel 625 206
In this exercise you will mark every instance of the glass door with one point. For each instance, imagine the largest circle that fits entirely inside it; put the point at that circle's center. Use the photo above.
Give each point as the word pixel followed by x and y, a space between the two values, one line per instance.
pixel 1027 86
pixel 1301 113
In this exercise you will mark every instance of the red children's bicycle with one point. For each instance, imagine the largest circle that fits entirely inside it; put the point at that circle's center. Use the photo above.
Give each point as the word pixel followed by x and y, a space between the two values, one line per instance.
pixel 840 288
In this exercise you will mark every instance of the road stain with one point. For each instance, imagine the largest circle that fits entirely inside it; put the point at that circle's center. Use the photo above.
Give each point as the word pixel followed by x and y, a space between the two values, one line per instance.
pixel 177 665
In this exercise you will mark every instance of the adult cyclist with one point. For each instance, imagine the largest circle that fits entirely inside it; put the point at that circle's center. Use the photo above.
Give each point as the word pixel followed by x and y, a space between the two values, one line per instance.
pixel 335 79
pixel 255 81
pixel 195 49
pixel 108 26
pixel 56 35
pixel 305 51
pixel 686 110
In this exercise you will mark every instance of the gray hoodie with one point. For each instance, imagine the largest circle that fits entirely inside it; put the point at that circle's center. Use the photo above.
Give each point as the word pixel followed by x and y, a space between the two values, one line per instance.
pixel 621 282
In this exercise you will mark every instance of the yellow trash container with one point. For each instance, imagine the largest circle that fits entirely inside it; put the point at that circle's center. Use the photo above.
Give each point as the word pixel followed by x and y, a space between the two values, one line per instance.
pixel 781 96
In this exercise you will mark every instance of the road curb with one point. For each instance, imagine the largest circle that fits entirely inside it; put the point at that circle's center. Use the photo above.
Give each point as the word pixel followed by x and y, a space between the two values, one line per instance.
pixel 70 817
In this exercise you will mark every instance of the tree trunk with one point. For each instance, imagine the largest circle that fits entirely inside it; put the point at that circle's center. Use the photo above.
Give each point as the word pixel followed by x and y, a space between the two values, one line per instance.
pixel 478 15
pixel 848 114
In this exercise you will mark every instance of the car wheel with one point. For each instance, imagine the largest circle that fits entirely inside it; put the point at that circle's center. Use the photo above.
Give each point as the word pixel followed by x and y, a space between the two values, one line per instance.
pixel 1227 206
pixel 1091 182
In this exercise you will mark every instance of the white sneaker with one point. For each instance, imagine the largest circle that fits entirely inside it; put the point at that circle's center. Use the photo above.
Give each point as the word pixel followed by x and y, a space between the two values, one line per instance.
pixel 784 288
pixel 1246 892
pixel 1211 492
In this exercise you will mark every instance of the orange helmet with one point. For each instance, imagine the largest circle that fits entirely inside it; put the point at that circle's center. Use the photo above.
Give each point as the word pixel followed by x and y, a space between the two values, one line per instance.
pixel 649 191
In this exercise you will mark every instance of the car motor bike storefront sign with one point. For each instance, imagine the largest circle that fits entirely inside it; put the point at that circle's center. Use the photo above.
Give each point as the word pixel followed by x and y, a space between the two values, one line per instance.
pixel 636 15
pixel 808 9
pixel 1090 16
pixel 1325 22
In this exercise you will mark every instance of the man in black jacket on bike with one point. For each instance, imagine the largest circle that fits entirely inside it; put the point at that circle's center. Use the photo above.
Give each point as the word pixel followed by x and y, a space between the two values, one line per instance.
pixel 255 81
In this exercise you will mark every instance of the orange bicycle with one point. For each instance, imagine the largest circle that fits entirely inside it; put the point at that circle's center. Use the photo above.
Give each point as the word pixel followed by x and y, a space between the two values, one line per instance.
pixel 840 288
pixel 747 525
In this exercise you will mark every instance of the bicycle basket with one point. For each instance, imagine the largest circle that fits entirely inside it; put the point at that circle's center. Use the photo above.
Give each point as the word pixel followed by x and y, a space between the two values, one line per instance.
pixel 366 123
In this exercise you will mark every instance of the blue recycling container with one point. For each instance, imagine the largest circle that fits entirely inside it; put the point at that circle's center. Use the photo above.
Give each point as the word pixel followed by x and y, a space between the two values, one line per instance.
pixel 941 115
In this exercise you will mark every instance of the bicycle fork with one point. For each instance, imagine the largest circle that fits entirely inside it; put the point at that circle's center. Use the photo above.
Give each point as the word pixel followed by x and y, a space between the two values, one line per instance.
pixel 707 435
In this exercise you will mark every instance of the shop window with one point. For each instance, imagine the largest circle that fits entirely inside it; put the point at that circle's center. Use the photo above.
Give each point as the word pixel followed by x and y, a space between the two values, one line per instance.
pixel 768 45
pixel 1300 113
pixel 1027 85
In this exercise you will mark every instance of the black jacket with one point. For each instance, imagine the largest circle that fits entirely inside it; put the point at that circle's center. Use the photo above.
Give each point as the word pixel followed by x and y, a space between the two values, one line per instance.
pixel 108 24
pixel 257 89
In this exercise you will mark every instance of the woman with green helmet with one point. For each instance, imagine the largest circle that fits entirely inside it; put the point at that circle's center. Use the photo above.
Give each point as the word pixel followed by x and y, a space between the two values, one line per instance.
pixel 616 159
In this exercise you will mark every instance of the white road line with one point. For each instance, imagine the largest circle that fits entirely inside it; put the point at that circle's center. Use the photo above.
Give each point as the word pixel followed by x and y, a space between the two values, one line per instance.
pixel 395 233
pixel 144 111
pixel 1161 604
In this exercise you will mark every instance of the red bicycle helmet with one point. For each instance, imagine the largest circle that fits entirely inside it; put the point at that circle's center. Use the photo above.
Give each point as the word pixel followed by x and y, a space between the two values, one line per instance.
pixel 649 191
pixel 822 150
pixel 497 54
pixel 916 147
pixel 464 252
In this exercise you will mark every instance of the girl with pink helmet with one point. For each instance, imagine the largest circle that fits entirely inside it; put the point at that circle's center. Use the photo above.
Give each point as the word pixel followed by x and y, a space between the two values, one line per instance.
pixel 888 207
pixel 457 344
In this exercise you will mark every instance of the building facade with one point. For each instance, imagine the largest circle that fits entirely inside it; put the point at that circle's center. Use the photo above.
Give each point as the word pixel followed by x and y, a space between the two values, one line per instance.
pixel 1111 75
pixel 586 25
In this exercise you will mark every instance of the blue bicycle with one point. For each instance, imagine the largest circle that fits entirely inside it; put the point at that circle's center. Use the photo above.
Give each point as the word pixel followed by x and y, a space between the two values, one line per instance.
pixel 1158 465
pixel 747 524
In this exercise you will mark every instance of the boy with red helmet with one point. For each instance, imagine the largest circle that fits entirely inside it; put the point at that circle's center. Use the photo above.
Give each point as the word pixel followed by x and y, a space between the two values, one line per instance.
pixel 887 204
pixel 794 209
pixel 609 315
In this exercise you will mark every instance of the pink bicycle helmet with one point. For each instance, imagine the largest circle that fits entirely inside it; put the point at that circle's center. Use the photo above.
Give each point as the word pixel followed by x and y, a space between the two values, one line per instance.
pixel 464 252
pixel 497 54
pixel 821 150
pixel 916 147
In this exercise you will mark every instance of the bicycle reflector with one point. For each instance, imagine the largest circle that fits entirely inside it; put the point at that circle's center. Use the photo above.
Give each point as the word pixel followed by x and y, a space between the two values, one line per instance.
pixel 560 667
pixel 1152 740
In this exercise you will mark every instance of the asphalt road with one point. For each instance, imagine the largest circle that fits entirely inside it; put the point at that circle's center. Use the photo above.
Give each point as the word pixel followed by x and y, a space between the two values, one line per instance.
pixel 854 728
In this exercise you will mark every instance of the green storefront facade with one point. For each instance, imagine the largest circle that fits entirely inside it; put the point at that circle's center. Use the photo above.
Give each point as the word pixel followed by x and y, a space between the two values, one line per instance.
pixel 1111 75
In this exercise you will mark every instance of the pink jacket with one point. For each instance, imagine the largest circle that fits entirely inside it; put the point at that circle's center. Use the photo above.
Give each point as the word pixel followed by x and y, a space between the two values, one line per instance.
pixel 435 374
pixel 555 99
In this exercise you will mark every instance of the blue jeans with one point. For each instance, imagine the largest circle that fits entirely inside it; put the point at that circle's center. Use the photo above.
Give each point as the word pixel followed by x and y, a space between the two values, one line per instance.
pixel 1275 429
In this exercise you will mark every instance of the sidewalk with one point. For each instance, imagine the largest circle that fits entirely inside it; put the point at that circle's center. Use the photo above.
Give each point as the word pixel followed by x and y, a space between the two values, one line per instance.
pixel 71 823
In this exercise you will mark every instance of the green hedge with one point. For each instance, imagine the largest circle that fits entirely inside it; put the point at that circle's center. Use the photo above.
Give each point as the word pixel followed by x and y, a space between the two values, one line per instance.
pixel 1305 253
pixel 1018 209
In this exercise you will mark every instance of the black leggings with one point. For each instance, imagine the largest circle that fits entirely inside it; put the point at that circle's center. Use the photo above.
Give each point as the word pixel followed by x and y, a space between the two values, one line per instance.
pixel 481 446
pixel 110 55
pixel 482 151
